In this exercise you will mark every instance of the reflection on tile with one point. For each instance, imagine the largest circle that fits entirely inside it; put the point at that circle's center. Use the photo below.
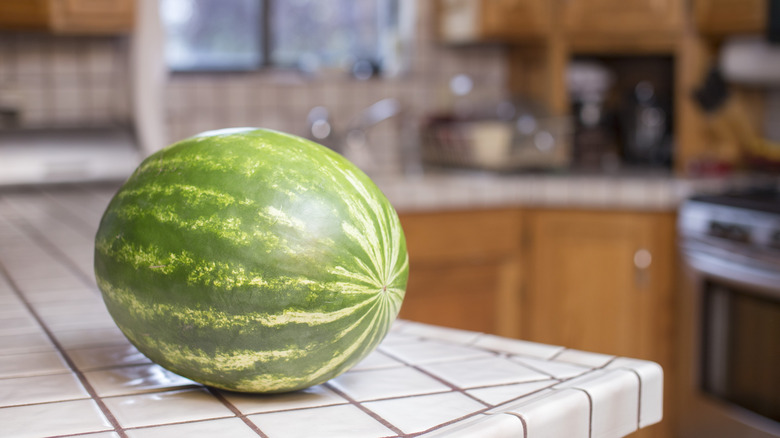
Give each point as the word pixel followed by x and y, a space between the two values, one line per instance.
pixel 588 359
pixel 32 364
pixel 561 413
pixel 457 336
pixel 224 427
pixel 615 398
pixel 495 395
pixel 166 407
pixel 32 342
pixel 484 372
pixel 50 419
pixel 433 351
pixel 88 338
pixel 393 338
pixel 376 360
pixel 18 323
pixel 557 370
pixel 97 435
pixel 134 379
pixel 306 398
pixel 60 294
pixel 40 389
pixel 386 383
pixel 498 425
pixel 417 414
pixel 516 346
pixel 343 421
pixel 105 357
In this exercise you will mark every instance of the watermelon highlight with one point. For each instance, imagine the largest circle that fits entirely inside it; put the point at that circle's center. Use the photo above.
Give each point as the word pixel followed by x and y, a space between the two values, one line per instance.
pixel 251 260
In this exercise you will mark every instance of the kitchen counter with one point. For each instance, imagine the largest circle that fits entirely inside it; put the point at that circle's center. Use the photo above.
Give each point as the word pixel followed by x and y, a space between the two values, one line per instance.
pixel 66 370
pixel 639 191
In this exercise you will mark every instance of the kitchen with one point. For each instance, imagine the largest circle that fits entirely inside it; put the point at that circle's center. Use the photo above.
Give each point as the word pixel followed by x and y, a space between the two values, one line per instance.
pixel 565 236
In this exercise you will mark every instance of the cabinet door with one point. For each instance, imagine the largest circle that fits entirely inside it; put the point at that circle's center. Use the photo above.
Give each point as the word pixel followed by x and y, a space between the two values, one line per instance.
pixel 517 19
pixel 602 282
pixel 621 17
pixel 464 269
pixel 469 21
pixel 724 17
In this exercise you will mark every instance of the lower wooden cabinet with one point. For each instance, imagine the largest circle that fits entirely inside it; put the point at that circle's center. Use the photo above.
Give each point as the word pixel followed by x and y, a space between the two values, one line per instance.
pixel 603 282
pixel 464 269
pixel 600 281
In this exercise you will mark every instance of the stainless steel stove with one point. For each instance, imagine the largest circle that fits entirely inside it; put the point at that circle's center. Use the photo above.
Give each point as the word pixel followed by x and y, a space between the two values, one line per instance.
pixel 730 308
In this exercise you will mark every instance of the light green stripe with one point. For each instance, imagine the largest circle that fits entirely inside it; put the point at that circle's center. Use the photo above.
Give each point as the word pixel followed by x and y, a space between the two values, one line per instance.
pixel 216 319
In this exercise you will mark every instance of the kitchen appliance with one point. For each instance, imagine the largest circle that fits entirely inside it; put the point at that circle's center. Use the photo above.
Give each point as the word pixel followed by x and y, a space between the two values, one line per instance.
pixel 504 137
pixel 730 311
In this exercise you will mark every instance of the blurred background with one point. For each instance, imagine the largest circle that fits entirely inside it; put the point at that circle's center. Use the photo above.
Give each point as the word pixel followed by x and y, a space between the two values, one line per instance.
pixel 511 86
pixel 538 152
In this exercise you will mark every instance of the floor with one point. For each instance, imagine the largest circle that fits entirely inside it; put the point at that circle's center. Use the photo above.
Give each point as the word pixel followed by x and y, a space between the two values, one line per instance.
pixel 66 370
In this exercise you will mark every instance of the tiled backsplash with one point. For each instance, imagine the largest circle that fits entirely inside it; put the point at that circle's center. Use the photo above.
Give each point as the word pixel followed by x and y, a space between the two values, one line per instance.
pixel 64 81
pixel 77 81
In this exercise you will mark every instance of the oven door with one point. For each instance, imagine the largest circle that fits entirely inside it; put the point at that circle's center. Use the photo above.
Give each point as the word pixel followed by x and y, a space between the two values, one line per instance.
pixel 730 345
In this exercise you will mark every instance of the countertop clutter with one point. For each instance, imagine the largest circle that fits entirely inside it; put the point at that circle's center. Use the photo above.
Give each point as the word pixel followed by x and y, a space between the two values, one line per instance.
pixel 66 370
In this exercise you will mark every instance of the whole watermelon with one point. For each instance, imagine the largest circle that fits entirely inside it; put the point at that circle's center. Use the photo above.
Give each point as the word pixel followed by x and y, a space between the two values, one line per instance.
pixel 251 260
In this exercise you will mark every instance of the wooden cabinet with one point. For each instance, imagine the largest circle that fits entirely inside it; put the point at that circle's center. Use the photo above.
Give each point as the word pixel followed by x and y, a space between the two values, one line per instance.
pixel 623 27
pixel 602 282
pixel 588 18
pixel 598 281
pixel 464 269
pixel 77 17
pixel 717 18
pixel 470 21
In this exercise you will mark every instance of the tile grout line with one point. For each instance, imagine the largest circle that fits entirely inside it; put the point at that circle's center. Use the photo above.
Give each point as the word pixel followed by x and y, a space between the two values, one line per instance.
pixel 365 410
pixel 66 357
pixel 219 396
pixel 37 237
pixel 590 410
pixel 453 387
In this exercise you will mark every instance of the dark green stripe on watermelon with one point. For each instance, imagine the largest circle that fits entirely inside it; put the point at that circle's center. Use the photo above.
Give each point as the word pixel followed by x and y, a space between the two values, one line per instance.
pixel 252 261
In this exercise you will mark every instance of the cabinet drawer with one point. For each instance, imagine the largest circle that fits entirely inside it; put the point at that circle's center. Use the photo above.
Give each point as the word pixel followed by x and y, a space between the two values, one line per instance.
pixel 464 235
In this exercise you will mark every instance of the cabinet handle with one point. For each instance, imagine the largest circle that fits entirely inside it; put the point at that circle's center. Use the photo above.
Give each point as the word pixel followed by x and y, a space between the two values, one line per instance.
pixel 642 261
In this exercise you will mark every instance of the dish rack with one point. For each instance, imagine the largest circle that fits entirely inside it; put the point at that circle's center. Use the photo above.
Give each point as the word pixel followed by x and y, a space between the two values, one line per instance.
pixel 525 143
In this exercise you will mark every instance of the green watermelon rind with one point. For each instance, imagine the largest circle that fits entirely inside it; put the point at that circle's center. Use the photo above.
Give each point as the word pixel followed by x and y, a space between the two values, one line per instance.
pixel 251 260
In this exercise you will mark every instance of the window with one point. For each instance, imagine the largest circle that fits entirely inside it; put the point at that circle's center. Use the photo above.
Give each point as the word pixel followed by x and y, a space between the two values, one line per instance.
pixel 213 35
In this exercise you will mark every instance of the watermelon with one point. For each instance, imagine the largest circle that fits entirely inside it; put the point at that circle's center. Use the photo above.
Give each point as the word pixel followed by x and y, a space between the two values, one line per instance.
pixel 251 260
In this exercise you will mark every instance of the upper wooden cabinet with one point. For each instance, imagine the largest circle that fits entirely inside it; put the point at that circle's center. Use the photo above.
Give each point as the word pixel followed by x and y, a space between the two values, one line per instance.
pixel 468 21
pixel 725 17
pixel 75 17
pixel 636 25
pixel 621 17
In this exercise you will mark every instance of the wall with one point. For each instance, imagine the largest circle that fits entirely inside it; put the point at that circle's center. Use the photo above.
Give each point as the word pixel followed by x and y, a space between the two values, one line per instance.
pixel 281 100
pixel 82 81
pixel 64 81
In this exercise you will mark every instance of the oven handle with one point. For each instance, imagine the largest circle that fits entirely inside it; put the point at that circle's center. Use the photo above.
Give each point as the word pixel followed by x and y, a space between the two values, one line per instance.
pixel 762 281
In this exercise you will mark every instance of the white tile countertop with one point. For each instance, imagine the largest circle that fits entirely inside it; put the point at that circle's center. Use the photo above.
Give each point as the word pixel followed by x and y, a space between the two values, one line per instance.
pixel 66 370
pixel 472 189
